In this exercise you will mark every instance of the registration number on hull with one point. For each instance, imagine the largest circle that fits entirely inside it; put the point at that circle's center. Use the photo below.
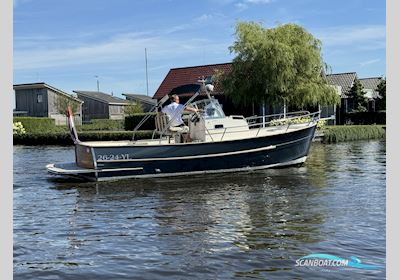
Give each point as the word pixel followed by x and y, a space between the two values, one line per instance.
pixel 113 157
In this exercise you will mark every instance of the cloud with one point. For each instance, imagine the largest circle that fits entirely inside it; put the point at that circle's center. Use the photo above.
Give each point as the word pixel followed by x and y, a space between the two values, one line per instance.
pixel 199 21
pixel 258 1
pixel 114 50
pixel 178 28
pixel 119 49
pixel 368 62
pixel 241 6
pixel 369 37
pixel 221 2
pixel 244 4
pixel 204 17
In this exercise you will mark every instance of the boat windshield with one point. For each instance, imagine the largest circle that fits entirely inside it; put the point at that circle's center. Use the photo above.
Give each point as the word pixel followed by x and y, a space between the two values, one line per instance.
pixel 211 108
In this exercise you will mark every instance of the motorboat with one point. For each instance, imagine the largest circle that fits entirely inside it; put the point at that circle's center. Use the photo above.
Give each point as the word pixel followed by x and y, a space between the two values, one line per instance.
pixel 210 143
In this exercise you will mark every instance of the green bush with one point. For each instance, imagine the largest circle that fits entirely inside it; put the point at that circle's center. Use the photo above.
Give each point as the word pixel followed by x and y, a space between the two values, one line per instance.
pixel 38 125
pixel 102 124
pixel 341 133
pixel 133 120
pixel 63 138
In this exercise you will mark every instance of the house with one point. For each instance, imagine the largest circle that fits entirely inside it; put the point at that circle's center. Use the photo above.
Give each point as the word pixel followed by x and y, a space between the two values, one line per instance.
pixel 184 82
pixel 343 83
pixel 370 87
pixel 43 100
pixel 100 105
pixel 146 102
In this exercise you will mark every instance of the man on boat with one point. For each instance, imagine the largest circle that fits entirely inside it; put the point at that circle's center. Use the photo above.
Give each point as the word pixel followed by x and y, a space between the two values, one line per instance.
pixel 174 112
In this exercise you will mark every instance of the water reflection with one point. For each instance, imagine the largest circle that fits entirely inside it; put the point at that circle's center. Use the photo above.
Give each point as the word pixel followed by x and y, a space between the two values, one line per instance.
pixel 214 227
pixel 205 215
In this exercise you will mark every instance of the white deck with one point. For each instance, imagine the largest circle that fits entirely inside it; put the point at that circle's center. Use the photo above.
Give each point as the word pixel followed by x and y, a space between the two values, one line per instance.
pixel 217 136
pixel 68 168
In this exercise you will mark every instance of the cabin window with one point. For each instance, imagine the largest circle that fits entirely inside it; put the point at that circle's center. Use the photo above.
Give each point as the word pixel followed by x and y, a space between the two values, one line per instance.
pixel 39 98
pixel 219 126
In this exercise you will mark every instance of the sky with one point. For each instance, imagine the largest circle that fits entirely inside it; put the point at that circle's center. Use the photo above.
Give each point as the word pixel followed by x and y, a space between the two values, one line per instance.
pixel 71 44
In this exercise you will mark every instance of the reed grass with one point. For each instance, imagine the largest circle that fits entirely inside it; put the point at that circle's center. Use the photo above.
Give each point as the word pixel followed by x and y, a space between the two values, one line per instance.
pixel 342 133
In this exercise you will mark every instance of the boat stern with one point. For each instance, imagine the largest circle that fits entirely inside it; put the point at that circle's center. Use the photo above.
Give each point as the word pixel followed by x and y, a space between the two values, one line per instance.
pixel 84 156
pixel 84 165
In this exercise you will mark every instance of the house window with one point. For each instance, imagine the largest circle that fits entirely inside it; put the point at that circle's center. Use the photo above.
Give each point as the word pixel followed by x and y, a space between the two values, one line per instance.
pixel 39 98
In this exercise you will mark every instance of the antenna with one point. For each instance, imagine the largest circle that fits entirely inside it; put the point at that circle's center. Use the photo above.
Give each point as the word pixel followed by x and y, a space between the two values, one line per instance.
pixel 97 78
pixel 147 77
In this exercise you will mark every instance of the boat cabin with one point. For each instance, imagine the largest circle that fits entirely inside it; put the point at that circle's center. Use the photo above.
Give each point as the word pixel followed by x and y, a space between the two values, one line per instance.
pixel 211 124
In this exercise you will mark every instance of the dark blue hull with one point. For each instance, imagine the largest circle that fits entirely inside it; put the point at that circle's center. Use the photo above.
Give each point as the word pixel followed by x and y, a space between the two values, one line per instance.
pixel 171 160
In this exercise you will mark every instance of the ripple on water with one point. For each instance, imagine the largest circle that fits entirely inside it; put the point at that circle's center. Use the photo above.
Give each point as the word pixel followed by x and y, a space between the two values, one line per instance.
pixel 251 225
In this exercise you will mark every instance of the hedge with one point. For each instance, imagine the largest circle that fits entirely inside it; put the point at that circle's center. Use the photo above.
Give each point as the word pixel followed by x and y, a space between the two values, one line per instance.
pixel 341 133
pixel 366 117
pixel 45 125
pixel 63 138
pixel 102 124
pixel 38 125
pixel 133 120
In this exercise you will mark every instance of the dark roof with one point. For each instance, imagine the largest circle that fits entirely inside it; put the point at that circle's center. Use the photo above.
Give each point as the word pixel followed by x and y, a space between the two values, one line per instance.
pixel 182 81
pixel 345 80
pixel 371 83
pixel 141 98
pixel 44 85
pixel 102 97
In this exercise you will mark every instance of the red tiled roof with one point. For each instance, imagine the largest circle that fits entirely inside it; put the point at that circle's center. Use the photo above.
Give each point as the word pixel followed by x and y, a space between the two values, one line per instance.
pixel 178 77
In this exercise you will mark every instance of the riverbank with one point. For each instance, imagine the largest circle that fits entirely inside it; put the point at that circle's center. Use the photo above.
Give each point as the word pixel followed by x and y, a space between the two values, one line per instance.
pixel 63 138
pixel 329 134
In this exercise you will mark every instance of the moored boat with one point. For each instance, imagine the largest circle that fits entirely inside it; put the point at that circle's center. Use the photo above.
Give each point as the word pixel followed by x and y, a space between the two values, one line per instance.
pixel 218 143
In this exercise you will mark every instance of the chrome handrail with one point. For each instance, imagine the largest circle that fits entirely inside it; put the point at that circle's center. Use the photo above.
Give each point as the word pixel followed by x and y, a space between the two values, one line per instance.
pixel 147 116
pixel 304 113
pixel 313 118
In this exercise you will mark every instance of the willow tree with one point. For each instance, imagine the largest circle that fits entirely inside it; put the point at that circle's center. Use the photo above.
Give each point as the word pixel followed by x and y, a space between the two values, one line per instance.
pixel 276 66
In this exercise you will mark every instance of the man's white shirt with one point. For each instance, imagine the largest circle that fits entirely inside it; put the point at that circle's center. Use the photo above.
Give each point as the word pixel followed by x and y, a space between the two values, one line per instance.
pixel 174 112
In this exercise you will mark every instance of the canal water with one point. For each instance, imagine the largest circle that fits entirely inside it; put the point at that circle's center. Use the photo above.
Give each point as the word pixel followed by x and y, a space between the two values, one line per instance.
pixel 235 226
